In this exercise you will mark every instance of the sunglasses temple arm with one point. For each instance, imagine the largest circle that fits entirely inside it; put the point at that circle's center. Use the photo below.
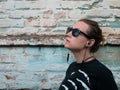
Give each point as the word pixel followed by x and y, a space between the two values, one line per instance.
pixel 86 35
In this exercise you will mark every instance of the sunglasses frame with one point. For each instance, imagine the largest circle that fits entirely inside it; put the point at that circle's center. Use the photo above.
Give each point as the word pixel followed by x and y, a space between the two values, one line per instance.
pixel 76 32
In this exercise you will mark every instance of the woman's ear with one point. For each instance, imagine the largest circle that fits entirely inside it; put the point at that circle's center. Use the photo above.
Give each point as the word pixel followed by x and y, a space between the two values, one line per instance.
pixel 90 43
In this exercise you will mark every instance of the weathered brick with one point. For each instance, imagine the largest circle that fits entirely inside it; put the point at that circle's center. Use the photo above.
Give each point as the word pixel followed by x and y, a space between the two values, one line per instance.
pixel 17 14
pixel 11 23
pixel 47 22
pixel 60 15
pixel 113 39
pixel 4 23
pixel 107 31
pixel 32 13
pixel 25 14
pixel 37 5
pixel 38 23
pixel 65 5
pixel 85 4
pixel 54 4
pixel 3 16
pixel 114 4
pixel 2 0
pixel 59 29
pixel 17 23
pixel 24 5
pixel 117 12
pixel 111 35
pixel 31 21
pixel 3 31
pixel 9 5
pixel 100 13
pixel 19 31
pixel 76 14
pixel 48 14
pixel 65 22
pixel 1 7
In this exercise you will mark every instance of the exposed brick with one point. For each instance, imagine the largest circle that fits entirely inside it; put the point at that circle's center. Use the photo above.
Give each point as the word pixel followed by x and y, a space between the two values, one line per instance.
pixel 113 39
pixel 11 23
pixel 66 6
pixel 1 7
pixel 24 14
pixel 17 23
pixel 31 21
pixel 3 31
pixel 3 16
pixel 48 14
pixel 117 12
pixel 100 13
pixel 54 4
pixel 85 5
pixel 2 0
pixel 76 14
pixel 52 14
pixel 43 22
pixel 36 39
pixel 20 31
pixel 65 22
pixel 38 4
pixel 114 4
pixel 24 5
pixel 48 22
pixel 107 30
pixel 4 23
pixel 15 14
pixel 60 15
pixel 9 5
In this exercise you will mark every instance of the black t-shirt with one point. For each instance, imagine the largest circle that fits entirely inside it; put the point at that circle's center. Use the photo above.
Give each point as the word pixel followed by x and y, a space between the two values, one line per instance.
pixel 92 75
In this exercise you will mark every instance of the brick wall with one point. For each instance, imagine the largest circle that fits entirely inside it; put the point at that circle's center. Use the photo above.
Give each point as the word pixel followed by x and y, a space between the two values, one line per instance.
pixel 42 23
pixel 39 17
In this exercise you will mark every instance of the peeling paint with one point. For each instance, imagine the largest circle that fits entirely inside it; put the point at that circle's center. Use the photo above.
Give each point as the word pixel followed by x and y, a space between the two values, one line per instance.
pixel 38 66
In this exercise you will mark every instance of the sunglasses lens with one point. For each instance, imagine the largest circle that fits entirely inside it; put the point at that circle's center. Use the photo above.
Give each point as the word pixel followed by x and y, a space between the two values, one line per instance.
pixel 68 30
pixel 75 32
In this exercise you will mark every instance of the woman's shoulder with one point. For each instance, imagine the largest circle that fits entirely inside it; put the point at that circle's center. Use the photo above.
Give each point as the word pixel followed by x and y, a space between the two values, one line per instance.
pixel 72 64
pixel 101 67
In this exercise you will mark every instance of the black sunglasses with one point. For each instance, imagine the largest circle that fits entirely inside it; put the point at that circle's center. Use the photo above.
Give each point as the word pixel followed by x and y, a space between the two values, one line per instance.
pixel 76 32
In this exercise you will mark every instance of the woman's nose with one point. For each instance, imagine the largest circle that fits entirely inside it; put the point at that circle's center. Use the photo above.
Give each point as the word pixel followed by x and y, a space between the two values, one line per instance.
pixel 69 34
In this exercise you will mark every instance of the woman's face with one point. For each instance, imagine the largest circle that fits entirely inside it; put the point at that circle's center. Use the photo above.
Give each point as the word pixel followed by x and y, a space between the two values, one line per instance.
pixel 79 42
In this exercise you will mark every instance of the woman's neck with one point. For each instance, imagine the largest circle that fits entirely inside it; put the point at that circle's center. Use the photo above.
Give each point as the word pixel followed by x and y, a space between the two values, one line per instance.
pixel 83 56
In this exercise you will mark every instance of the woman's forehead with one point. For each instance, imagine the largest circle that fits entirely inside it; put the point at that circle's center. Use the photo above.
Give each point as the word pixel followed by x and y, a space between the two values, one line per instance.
pixel 81 25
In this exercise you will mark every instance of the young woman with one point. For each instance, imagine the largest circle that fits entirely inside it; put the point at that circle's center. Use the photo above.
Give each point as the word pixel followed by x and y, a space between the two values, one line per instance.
pixel 86 73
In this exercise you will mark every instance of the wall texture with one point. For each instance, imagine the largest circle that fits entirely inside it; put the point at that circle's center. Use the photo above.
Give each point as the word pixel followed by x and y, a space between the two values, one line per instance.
pixel 23 22
pixel 32 37
pixel 37 67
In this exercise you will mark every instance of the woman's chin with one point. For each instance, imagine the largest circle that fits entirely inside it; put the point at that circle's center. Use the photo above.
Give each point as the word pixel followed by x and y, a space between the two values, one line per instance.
pixel 66 46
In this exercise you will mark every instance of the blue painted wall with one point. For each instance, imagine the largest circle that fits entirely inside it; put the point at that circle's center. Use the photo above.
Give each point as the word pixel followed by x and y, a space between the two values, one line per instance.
pixel 44 67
